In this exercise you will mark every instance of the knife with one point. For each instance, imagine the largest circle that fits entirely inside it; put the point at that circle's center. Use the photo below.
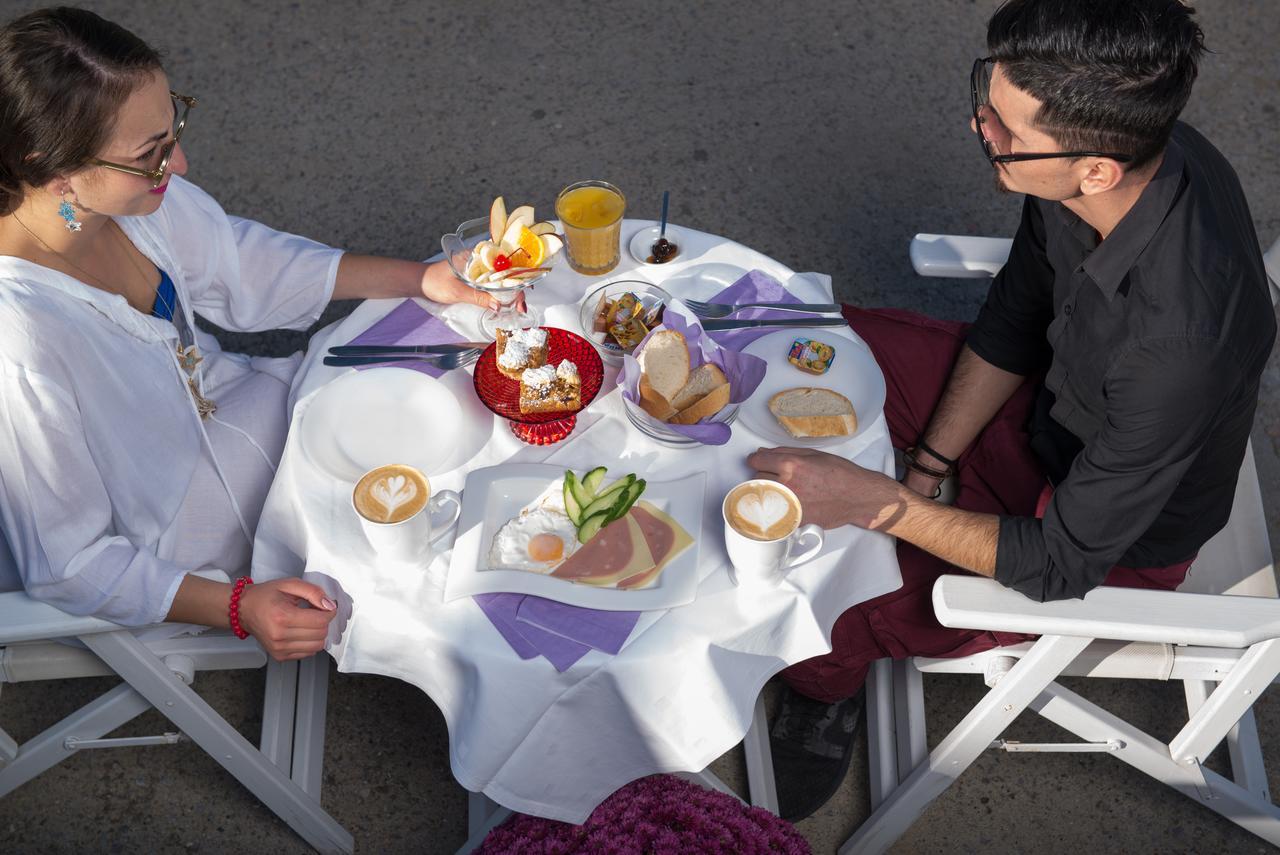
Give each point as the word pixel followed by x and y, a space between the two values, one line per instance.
pixel 384 349
pixel 732 324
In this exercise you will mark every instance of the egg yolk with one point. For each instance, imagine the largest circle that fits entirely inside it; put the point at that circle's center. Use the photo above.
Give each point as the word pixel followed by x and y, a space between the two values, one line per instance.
pixel 546 547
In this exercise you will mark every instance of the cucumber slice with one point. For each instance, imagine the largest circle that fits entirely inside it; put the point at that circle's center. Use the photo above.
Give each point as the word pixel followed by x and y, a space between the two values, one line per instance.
pixel 626 500
pixel 593 479
pixel 571 506
pixel 601 503
pixel 614 489
pixel 591 526
pixel 580 493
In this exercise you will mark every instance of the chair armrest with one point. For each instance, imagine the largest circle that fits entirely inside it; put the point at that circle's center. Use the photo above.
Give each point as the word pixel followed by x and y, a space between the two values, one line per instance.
pixel 1124 614
pixel 958 256
pixel 25 619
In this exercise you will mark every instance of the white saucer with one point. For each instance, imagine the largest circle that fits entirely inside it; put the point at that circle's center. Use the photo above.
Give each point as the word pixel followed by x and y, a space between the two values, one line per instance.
pixel 371 418
pixel 642 243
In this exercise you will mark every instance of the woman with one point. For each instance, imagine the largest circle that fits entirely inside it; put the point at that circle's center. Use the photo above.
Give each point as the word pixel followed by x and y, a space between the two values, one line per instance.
pixel 135 455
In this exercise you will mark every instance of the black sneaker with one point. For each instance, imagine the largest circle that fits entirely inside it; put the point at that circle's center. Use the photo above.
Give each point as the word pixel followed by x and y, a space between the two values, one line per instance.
pixel 812 745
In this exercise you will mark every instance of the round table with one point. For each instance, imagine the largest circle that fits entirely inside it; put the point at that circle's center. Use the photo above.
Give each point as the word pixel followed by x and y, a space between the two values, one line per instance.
pixel 682 690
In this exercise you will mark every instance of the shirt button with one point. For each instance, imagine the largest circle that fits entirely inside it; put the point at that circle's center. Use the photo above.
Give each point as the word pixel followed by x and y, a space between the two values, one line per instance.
pixel 1066 310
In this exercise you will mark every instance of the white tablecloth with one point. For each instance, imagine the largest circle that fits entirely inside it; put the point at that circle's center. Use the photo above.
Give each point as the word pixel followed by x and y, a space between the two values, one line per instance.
pixel 680 693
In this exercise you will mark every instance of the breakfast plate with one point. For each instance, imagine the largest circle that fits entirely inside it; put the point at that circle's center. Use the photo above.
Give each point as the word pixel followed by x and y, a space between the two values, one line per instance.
pixel 495 496
pixel 383 415
pixel 853 373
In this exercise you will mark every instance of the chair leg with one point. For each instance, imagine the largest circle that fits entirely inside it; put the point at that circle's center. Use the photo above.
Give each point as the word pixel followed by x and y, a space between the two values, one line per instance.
pixel 98 718
pixel 309 719
pixel 973 735
pixel 908 708
pixel 1247 766
pixel 881 732
pixel 762 786
pixel 483 816
pixel 148 675
pixel 278 713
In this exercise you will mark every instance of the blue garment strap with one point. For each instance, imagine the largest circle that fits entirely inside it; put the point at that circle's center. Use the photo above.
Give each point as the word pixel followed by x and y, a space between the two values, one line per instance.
pixel 166 298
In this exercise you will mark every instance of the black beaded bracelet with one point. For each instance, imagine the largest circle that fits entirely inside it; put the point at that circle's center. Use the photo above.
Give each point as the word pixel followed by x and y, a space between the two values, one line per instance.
pixel 924 446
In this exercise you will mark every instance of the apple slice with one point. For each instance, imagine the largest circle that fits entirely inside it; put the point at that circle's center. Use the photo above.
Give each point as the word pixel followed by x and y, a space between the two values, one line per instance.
pixel 522 215
pixel 497 219
pixel 543 228
pixel 551 244
pixel 511 237
pixel 476 268
pixel 487 252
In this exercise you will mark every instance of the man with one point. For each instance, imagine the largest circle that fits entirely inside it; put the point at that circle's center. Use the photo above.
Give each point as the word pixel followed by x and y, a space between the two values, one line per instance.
pixel 1096 413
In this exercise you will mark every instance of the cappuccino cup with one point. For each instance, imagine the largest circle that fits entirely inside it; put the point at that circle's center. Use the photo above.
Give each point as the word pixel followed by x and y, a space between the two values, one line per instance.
pixel 399 515
pixel 761 530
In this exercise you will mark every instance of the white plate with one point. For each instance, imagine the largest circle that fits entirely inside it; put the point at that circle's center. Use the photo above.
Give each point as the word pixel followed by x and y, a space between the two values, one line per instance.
pixel 853 373
pixel 699 282
pixel 498 493
pixel 370 418
pixel 643 240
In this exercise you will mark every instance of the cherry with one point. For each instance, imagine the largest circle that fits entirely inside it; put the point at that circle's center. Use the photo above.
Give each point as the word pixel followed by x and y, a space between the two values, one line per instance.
pixel 501 263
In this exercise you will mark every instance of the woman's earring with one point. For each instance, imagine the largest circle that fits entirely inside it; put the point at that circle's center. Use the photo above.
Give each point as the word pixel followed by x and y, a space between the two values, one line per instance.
pixel 68 214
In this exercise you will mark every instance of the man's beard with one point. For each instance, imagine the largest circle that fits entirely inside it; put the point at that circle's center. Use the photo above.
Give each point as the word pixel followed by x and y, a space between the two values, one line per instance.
pixel 998 177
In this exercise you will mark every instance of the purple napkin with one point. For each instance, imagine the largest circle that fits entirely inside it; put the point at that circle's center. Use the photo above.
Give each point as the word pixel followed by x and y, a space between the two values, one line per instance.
pixel 564 634
pixel 744 372
pixel 754 287
pixel 408 323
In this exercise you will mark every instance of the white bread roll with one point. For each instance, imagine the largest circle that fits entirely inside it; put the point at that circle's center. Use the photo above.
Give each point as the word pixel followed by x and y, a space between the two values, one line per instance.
pixel 708 405
pixel 702 380
pixel 806 411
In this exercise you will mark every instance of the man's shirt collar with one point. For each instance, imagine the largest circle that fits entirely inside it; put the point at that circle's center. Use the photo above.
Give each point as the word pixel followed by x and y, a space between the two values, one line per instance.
pixel 1109 263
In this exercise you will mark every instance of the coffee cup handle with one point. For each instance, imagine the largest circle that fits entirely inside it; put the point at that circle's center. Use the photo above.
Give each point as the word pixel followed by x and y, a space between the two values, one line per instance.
pixel 442 527
pixel 813 531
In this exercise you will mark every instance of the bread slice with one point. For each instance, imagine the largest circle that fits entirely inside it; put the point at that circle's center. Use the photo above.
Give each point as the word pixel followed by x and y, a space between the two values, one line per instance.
pixel 653 403
pixel 702 380
pixel 707 405
pixel 665 362
pixel 806 411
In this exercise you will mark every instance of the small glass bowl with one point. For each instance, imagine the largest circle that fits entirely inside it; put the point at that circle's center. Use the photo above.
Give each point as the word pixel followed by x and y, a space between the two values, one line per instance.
pixel 650 296
pixel 458 246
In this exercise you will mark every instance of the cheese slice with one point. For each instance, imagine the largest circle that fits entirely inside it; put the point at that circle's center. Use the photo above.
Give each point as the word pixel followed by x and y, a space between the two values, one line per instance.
pixel 618 551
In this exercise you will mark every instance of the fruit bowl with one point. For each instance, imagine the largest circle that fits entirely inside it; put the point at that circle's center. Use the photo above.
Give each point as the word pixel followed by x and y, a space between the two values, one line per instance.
pixel 458 247
pixel 501 394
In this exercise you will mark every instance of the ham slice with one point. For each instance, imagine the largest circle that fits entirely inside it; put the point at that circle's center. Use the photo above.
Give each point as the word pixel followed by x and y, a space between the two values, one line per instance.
pixel 665 537
pixel 618 551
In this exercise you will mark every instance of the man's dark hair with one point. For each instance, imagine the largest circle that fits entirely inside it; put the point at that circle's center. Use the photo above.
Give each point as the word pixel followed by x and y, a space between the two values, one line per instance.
pixel 1111 75
pixel 64 73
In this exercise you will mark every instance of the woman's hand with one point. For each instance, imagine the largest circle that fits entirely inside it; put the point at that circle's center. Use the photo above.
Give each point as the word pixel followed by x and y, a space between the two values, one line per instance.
pixel 272 612
pixel 439 284
pixel 832 491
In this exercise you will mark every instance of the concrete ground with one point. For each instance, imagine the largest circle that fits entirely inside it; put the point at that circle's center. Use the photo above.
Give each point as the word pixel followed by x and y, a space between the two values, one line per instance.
pixel 823 134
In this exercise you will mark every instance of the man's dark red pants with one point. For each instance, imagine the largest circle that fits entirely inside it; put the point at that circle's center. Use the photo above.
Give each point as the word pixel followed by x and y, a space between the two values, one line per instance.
pixel 998 474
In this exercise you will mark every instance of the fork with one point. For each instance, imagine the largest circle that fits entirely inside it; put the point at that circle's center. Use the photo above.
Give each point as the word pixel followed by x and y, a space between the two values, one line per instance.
pixel 722 310
pixel 444 361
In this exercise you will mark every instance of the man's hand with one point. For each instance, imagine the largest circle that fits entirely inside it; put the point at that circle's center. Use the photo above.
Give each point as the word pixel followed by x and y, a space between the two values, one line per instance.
pixel 272 613
pixel 832 491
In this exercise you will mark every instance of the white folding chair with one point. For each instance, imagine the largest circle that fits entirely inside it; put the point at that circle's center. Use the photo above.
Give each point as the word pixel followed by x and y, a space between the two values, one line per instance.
pixel 1226 652
pixel 284 773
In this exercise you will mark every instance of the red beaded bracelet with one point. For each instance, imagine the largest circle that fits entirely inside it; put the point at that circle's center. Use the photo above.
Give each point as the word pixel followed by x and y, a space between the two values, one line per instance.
pixel 233 611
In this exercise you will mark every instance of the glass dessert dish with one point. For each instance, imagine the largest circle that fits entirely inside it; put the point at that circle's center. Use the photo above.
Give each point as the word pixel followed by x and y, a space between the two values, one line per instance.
pixel 458 247
pixel 501 394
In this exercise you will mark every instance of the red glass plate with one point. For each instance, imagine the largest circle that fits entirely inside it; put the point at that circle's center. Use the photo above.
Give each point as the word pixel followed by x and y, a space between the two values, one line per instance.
pixel 501 394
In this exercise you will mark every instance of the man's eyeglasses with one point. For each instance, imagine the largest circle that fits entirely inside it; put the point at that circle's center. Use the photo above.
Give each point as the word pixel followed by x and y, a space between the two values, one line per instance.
pixel 995 138
pixel 166 151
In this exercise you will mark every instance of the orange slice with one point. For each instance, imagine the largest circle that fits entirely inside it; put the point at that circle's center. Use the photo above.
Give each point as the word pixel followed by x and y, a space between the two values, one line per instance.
pixel 530 248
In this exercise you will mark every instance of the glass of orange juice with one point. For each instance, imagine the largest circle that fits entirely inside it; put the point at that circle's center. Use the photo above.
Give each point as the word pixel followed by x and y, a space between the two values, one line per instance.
pixel 591 213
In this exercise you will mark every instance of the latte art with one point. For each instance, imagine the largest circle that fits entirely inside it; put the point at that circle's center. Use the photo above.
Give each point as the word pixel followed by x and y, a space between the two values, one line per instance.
pixel 391 494
pixel 762 510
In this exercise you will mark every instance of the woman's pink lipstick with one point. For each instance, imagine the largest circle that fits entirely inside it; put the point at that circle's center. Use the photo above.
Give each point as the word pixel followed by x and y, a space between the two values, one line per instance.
pixel 160 190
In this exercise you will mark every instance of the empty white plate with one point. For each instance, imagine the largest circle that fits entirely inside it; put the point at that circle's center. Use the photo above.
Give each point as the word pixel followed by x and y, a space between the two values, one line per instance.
pixel 371 418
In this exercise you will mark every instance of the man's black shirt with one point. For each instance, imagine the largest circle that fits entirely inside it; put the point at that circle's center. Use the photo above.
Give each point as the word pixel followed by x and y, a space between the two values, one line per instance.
pixel 1151 343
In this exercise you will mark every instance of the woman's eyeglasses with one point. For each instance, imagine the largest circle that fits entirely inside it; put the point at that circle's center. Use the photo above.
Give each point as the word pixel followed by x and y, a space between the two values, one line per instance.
pixel 166 151
pixel 995 137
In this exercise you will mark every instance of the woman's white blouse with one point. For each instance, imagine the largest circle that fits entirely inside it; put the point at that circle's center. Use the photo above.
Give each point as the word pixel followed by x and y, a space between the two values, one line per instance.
pixel 100 440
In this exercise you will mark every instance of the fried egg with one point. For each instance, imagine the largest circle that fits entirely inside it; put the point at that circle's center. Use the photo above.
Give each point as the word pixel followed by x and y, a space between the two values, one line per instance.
pixel 539 538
